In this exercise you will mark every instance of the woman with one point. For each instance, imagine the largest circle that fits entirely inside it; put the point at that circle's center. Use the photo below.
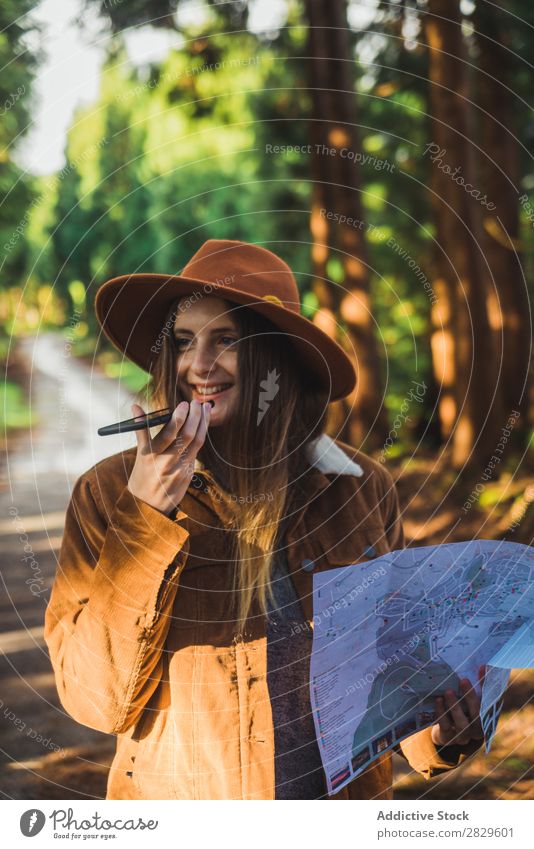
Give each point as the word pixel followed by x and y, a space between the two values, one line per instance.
pixel 181 614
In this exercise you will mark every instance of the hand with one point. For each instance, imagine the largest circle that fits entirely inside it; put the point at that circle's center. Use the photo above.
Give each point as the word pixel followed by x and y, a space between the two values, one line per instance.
pixel 454 727
pixel 164 465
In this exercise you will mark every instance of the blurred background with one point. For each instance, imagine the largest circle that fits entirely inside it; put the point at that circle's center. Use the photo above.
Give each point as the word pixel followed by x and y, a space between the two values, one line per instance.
pixel 384 150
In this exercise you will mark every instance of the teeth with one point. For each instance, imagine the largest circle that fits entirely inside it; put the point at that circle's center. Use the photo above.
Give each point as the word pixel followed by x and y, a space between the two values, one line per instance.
pixel 212 390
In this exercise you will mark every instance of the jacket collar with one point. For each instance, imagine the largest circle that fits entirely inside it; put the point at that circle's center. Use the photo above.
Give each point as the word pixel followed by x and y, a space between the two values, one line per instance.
pixel 330 459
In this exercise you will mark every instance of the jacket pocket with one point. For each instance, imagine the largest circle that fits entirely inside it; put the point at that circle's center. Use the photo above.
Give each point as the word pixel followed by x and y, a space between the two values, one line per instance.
pixel 152 761
pixel 332 547
pixel 358 546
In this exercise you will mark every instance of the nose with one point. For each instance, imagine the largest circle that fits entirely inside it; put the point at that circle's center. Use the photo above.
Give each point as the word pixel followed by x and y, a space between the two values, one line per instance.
pixel 202 361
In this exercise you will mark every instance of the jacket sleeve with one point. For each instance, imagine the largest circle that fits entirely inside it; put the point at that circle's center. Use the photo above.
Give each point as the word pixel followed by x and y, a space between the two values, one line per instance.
pixel 430 760
pixel 393 519
pixel 420 750
pixel 109 610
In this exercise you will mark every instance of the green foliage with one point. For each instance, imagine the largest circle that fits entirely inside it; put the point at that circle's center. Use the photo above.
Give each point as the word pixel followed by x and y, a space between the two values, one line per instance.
pixel 130 375
pixel 14 409
pixel 170 157
pixel 174 153
pixel 161 14
pixel 16 191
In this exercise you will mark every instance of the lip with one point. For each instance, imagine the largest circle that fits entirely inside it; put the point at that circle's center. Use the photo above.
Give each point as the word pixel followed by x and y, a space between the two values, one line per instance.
pixel 203 398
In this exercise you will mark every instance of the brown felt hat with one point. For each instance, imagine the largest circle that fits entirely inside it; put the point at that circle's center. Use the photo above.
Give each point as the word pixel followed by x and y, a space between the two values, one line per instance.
pixel 132 308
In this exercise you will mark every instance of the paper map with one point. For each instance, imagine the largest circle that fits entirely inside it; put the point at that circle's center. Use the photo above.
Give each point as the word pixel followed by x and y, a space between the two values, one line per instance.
pixel 392 633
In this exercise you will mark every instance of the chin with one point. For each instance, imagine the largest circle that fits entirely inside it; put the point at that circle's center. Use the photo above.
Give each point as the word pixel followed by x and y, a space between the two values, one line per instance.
pixel 218 417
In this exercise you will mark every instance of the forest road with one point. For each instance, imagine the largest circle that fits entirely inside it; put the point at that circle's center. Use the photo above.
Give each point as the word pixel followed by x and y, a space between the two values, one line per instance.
pixel 43 752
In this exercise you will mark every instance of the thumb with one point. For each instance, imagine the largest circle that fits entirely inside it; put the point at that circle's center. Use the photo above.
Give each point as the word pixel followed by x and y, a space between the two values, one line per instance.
pixel 142 435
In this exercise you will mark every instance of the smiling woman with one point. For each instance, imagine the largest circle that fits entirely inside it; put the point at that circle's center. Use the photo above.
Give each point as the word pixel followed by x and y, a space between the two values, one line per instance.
pixel 216 344
pixel 181 615
pixel 205 339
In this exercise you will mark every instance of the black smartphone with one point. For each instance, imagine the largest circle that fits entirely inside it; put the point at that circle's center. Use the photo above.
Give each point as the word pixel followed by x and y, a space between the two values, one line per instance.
pixel 137 423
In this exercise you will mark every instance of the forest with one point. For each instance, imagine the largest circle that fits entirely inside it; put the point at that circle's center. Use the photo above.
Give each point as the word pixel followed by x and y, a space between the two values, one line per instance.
pixel 384 150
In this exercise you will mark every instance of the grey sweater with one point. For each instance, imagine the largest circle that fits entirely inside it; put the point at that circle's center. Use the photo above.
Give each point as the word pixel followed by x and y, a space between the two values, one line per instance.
pixel 298 768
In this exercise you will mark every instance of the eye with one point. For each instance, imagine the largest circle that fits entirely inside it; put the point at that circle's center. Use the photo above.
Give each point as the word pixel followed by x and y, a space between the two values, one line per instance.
pixel 180 341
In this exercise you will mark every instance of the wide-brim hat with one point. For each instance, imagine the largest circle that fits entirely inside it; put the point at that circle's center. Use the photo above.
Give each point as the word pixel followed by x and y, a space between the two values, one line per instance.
pixel 132 308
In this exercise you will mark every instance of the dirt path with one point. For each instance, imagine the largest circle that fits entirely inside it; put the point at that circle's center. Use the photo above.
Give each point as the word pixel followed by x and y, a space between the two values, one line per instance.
pixel 43 752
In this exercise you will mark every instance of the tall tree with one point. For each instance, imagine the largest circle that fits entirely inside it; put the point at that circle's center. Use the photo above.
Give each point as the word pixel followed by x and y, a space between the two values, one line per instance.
pixel 337 192
pixel 500 177
pixel 465 358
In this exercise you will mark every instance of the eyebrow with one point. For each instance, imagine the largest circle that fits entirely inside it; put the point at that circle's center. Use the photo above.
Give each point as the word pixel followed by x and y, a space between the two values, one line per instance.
pixel 213 330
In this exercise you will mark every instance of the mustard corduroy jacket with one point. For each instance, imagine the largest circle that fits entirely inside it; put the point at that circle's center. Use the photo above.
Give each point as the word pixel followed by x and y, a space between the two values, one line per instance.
pixel 142 645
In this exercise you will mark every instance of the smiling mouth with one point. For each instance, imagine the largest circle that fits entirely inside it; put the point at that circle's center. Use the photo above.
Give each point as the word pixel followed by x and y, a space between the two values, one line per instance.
pixel 211 391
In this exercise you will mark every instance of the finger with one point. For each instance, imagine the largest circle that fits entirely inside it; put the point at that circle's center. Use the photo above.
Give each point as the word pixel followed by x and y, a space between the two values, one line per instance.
pixel 481 674
pixel 470 698
pixel 200 435
pixel 179 440
pixel 174 426
pixel 442 715
pixel 189 429
pixel 142 436
pixel 472 701
pixel 459 718
pixel 190 450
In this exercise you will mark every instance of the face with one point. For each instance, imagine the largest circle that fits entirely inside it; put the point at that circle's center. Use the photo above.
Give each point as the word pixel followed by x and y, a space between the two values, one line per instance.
pixel 206 341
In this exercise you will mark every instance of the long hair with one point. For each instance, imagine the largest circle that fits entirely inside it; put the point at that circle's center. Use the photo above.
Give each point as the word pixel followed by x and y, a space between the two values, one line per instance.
pixel 281 409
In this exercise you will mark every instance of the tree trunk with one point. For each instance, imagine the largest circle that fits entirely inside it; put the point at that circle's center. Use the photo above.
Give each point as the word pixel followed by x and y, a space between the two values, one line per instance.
pixel 333 132
pixel 463 351
pixel 499 161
